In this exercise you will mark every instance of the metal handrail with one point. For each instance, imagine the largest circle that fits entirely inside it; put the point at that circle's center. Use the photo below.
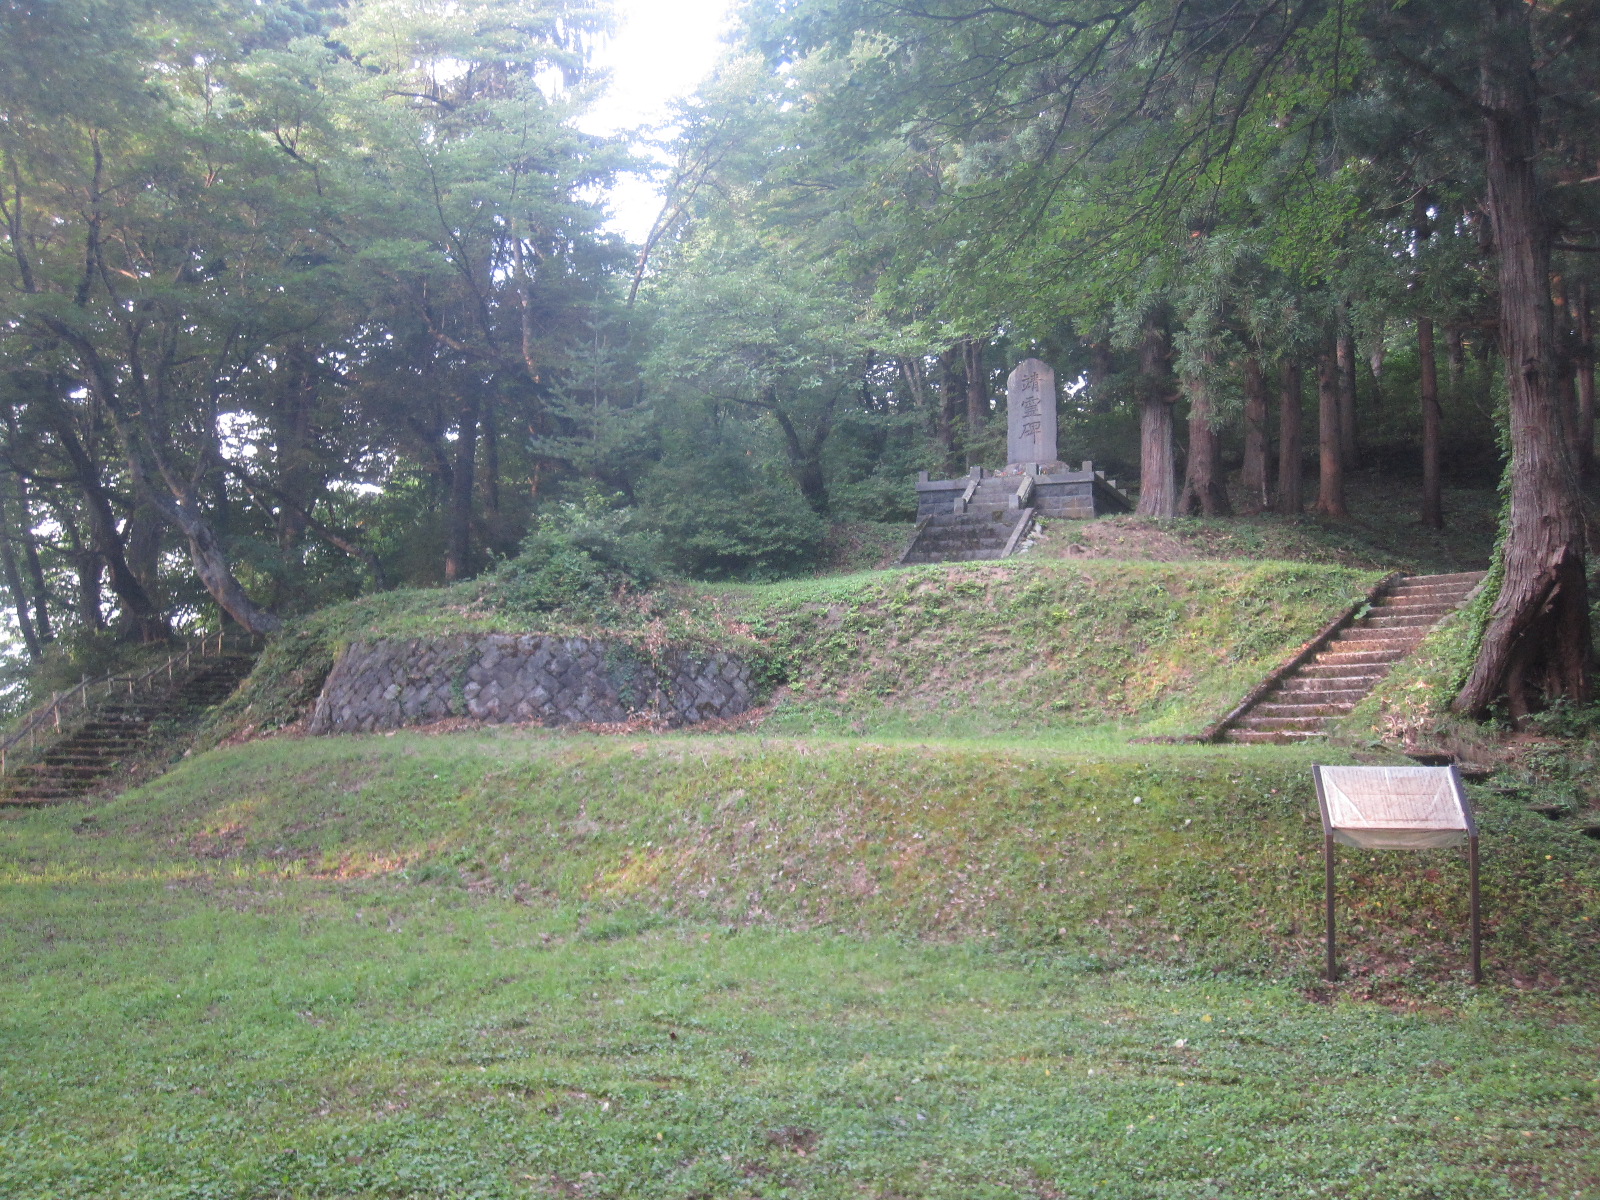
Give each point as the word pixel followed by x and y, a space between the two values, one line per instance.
pixel 51 712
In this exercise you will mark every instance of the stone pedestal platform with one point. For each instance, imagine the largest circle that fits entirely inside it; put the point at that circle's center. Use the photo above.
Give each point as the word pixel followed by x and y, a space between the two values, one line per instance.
pixel 1052 490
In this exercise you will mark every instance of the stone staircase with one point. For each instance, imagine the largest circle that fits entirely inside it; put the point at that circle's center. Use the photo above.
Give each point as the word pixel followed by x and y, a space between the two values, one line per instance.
pixel 117 728
pixel 1327 686
pixel 985 524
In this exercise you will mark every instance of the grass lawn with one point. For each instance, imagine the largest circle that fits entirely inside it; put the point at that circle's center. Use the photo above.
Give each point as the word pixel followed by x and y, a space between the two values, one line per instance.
pixel 521 964
pixel 306 1039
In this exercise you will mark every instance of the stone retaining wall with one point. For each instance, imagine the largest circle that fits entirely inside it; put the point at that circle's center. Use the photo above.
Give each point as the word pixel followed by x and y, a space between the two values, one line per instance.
pixel 533 678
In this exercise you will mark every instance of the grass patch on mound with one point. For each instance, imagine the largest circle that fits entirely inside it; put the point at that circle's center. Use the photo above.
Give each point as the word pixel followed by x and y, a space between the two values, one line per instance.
pixel 511 965
pixel 1024 647
pixel 955 650
pixel 1205 858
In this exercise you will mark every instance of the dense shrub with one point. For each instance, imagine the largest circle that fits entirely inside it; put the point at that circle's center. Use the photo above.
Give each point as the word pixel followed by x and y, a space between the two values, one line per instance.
pixel 580 556
pixel 719 519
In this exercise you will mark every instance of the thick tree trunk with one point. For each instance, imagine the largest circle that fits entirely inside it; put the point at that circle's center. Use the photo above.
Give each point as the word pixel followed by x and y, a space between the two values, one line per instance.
pixel 1290 498
pixel 177 502
pixel 142 539
pixel 1432 496
pixel 491 466
pixel 1455 354
pixel 295 475
pixel 458 517
pixel 805 454
pixel 1158 483
pixel 30 556
pixel 1253 475
pixel 19 597
pixel 1583 323
pixel 1330 438
pixel 1537 636
pixel 944 428
pixel 977 398
pixel 86 565
pixel 1102 365
pixel 139 610
pixel 1345 351
pixel 1203 490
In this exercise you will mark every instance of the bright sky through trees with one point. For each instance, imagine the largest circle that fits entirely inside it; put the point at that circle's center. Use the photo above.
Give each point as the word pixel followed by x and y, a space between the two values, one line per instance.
pixel 661 51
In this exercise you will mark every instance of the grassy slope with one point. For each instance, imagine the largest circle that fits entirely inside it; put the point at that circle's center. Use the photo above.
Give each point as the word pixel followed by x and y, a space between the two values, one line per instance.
pixel 663 967
pixel 965 649
pixel 514 963
pixel 1033 648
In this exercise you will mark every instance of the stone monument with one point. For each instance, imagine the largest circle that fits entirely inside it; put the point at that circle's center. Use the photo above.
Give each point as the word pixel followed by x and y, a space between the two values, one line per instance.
pixel 1031 413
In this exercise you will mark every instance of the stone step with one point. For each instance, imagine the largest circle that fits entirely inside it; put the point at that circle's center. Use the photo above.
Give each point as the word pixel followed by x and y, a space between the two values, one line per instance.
pixel 1360 657
pixel 1275 709
pixel 1315 691
pixel 958 556
pixel 1279 724
pixel 1470 578
pixel 969 529
pixel 1363 674
pixel 986 533
pixel 958 518
pixel 1423 584
pixel 1367 631
pixel 1439 601
pixel 1400 620
pixel 1271 737
pixel 1410 602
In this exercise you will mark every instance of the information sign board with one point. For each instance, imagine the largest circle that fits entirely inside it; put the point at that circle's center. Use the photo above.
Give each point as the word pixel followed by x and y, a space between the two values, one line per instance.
pixel 1396 808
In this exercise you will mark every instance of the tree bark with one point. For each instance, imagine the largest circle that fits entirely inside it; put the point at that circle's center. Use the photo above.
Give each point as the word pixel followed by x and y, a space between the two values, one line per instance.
pixel 1253 475
pixel 176 501
pixel 1330 439
pixel 1432 496
pixel 491 466
pixel 86 565
pixel 30 556
pixel 1290 498
pixel 977 398
pixel 1102 365
pixel 805 454
pixel 944 426
pixel 1537 635
pixel 139 610
pixel 1203 490
pixel 458 518
pixel 1455 354
pixel 1583 323
pixel 141 537
pixel 1158 484
pixel 19 597
pixel 1345 352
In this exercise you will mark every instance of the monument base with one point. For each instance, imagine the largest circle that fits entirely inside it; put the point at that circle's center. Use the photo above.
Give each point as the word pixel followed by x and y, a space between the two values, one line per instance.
pixel 1052 490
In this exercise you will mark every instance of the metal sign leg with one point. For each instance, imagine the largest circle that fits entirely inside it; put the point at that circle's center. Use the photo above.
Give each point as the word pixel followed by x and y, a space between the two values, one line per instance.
pixel 1477 930
pixel 1332 971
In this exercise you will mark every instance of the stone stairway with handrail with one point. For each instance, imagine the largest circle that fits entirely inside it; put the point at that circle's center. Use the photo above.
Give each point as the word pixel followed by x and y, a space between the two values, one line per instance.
pixel 987 522
pixel 1305 700
pixel 132 711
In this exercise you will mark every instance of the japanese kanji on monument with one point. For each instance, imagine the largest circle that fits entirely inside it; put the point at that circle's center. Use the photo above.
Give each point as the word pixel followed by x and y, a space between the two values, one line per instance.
pixel 1031 413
